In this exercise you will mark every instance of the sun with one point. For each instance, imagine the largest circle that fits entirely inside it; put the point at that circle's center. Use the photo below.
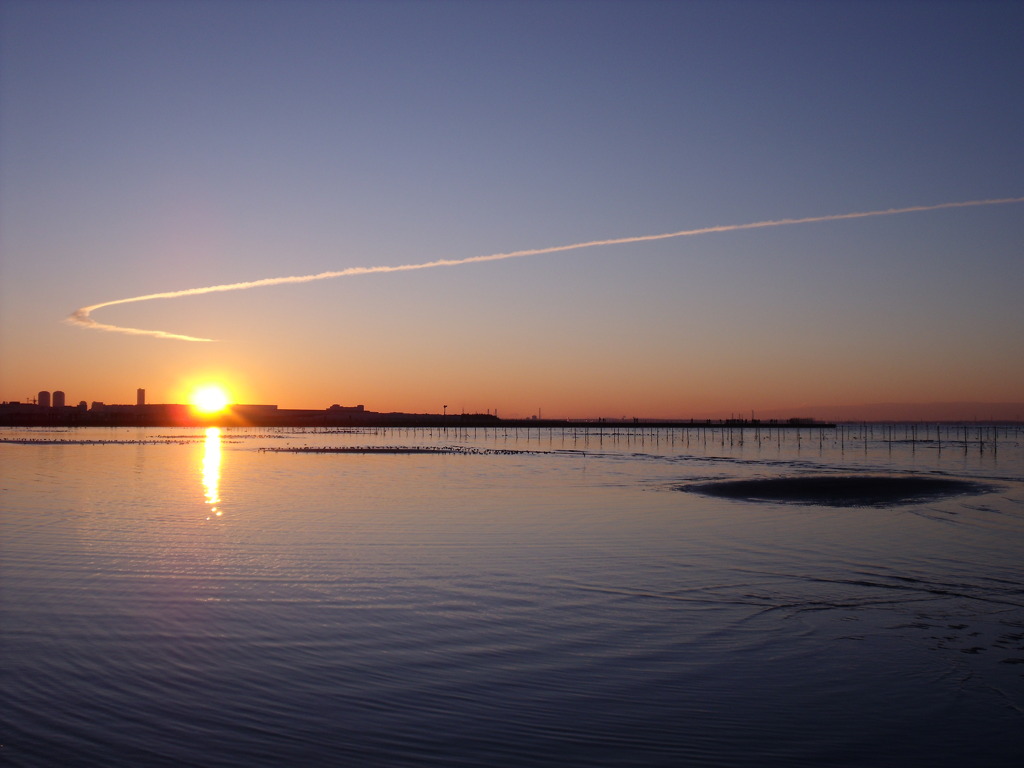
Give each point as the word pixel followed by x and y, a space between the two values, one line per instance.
pixel 210 399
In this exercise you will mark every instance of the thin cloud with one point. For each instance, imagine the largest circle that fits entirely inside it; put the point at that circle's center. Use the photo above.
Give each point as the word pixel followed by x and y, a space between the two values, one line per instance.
pixel 83 316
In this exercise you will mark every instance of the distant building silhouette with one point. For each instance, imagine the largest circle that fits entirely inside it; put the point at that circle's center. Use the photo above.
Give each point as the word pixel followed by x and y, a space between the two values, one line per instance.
pixel 44 399
pixel 140 397
pixel 58 399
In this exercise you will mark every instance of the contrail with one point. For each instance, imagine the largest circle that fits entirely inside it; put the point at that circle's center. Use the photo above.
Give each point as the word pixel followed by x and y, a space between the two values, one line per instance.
pixel 83 316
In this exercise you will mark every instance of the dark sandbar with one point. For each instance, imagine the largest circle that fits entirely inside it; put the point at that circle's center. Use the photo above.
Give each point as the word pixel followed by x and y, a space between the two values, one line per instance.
pixel 839 490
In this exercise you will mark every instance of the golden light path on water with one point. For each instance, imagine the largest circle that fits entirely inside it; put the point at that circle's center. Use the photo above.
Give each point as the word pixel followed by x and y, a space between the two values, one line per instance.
pixel 82 316
pixel 211 470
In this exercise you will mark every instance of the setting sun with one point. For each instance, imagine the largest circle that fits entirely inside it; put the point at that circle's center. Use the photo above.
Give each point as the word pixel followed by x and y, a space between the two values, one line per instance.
pixel 210 399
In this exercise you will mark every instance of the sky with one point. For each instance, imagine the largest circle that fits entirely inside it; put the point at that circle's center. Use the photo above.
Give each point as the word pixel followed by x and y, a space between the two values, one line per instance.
pixel 155 147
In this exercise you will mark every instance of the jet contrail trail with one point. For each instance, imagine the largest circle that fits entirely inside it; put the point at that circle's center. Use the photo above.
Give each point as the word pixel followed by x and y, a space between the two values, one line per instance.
pixel 83 316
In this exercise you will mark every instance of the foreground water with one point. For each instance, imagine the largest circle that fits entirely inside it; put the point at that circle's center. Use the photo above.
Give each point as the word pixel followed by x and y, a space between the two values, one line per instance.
pixel 171 597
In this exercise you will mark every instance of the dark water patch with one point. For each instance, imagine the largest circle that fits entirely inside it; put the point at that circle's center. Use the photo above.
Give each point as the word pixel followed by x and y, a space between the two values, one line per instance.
pixel 839 490
pixel 178 440
pixel 440 449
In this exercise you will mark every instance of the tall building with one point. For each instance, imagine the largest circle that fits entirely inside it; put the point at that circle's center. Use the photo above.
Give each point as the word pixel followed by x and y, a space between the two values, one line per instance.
pixel 58 399
pixel 44 399
pixel 140 396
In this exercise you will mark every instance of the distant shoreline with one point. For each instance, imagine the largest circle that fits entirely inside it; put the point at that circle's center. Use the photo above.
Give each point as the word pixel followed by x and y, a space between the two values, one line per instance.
pixel 167 416
pixel 181 416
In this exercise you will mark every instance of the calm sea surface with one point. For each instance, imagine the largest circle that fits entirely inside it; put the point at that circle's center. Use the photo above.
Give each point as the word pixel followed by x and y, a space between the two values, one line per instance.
pixel 176 598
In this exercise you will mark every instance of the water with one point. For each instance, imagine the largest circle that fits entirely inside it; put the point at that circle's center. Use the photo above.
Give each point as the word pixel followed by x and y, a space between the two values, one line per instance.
pixel 175 598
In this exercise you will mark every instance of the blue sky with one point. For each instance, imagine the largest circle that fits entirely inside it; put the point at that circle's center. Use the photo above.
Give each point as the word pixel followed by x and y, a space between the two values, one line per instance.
pixel 158 146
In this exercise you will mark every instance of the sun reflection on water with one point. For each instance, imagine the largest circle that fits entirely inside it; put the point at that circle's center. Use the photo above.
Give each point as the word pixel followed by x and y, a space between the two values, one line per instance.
pixel 211 469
